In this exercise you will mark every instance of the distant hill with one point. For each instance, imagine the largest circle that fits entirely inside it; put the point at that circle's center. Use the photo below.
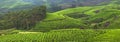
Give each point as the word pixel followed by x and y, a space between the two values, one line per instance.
pixel 53 5
pixel 6 5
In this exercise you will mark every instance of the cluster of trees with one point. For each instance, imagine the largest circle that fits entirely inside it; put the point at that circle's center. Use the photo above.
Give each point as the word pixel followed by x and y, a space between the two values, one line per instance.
pixel 24 19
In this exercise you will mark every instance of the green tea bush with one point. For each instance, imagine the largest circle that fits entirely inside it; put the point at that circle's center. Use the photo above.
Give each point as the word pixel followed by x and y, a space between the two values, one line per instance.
pixel 65 35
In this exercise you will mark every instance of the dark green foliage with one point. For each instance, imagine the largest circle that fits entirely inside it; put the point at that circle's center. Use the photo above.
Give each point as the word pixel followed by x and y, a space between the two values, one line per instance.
pixel 24 19
pixel 98 20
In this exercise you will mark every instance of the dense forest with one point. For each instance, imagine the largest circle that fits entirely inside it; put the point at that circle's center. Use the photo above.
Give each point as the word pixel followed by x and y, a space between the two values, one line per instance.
pixel 24 19
pixel 59 21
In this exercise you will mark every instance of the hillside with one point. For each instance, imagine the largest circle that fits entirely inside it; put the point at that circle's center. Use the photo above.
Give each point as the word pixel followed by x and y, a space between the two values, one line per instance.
pixel 59 21
pixel 97 17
